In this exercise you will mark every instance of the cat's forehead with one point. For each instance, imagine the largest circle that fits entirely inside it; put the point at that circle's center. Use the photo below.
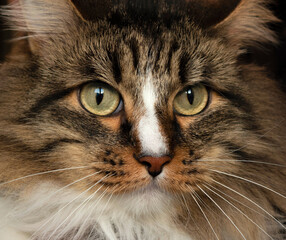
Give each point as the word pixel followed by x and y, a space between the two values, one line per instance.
pixel 127 57
pixel 135 56
pixel 178 54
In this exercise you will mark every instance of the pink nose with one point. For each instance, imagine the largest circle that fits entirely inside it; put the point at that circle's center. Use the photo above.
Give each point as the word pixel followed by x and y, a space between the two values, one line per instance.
pixel 154 164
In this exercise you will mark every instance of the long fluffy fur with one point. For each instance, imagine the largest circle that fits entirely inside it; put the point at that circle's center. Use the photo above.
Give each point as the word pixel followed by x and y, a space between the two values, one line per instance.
pixel 249 24
pixel 36 18
pixel 46 215
pixel 44 128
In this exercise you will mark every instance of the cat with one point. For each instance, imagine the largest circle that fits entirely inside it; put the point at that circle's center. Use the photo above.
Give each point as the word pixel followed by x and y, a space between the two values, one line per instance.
pixel 140 120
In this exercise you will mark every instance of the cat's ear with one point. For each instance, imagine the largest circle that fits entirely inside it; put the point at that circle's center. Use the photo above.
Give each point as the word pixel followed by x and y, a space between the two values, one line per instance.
pixel 40 16
pixel 37 20
pixel 248 24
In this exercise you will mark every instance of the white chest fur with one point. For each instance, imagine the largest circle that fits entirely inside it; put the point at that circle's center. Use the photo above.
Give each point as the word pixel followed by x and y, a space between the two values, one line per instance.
pixel 67 215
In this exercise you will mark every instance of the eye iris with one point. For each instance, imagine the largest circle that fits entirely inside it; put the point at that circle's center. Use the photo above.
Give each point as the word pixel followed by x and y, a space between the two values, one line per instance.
pixel 99 98
pixel 99 95
pixel 190 96
pixel 191 100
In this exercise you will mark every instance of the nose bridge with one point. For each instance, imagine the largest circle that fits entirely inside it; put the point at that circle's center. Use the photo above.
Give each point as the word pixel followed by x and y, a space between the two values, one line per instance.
pixel 153 141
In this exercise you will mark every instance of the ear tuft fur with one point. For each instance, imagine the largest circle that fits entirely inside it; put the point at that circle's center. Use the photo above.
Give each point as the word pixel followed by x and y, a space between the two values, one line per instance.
pixel 36 18
pixel 248 24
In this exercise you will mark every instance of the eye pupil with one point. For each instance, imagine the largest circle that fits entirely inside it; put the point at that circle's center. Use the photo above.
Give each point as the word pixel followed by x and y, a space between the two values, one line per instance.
pixel 190 96
pixel 99 95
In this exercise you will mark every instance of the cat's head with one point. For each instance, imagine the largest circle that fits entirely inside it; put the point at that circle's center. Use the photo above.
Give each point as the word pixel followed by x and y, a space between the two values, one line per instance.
pixel 142 101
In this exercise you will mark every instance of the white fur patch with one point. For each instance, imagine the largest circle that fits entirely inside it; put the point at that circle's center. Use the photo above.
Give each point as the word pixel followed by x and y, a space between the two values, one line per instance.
pixel 152 140
pixel 11 234
pixel 147 216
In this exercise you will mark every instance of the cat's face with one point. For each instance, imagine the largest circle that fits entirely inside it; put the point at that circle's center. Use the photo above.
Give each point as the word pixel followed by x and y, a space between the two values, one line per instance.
pixel 142 112
pixel 150 79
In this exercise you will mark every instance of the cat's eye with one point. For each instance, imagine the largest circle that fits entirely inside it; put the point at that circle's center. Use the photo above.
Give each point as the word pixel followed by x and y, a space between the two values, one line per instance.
pixel 192 100
pixel 100 98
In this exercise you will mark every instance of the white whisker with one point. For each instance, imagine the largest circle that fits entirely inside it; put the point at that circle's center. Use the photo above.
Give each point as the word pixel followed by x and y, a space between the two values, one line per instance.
pixel 78 196
pixel 261 136
pixel 91 231
pixel 106 204
pixel 61 189
pixel 43 173
pixel 247 161
pixel 92 206
pixel 248 180
pixel 187 207
pixel 77 208
pixel 237 201
pixel 74 183
pixel 222 212
pixel 257 205
pixel 15 39
pixel 90 212
pixel 82 204
pixel 205 204
pixel 204 214
pixel 240 212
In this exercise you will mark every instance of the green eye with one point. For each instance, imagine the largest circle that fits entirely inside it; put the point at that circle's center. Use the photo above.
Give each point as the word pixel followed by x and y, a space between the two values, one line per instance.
pixel 192 100
pixel 99 98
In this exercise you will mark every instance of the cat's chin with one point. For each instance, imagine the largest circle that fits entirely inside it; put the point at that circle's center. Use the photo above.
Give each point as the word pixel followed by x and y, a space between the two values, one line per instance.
pixel 147 201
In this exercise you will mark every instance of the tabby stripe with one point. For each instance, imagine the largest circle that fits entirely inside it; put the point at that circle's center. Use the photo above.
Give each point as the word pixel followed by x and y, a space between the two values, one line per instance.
pixel 174 48
pixel 109 184
pixel 238 100
pixel 114 173
pixel 282 232
pixel 134 47
pixel 184 61
pixel 114 58
pixel 158 55
pixel 9 141
pixel 220 120
pixel 125 130
pixel 281 217
pixel 278 210
pixel 48 100
pixel 23 147
pixel 85 124
pixel 52 145
pixel 207 71
pixel 239 152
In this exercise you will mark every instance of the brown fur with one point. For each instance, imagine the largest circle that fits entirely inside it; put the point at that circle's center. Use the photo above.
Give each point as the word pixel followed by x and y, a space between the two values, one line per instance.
pixel 44 128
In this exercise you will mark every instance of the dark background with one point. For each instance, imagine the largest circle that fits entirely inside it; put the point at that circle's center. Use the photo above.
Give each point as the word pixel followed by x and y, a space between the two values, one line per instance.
pixel 3 36
pixel 274 58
